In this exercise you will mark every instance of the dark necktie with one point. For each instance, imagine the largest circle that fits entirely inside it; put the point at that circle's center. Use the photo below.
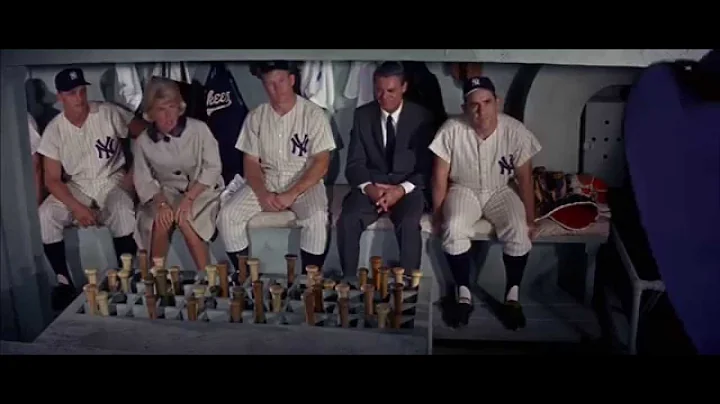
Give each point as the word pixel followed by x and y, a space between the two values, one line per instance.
pixel 390 143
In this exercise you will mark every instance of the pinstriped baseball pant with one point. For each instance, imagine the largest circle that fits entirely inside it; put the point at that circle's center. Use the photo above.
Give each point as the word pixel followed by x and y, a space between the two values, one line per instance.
pixel 118 214
pixel 311 209
pixel 463 207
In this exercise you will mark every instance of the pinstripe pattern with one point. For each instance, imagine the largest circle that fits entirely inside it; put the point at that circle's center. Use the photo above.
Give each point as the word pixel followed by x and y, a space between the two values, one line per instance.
pixel 480 178
pixel 278 141
pixel 118 214
pixel 92 157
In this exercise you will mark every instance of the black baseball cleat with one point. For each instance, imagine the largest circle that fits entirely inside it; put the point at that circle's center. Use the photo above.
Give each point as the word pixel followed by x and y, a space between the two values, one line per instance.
pixel 463 311
pixel 513 316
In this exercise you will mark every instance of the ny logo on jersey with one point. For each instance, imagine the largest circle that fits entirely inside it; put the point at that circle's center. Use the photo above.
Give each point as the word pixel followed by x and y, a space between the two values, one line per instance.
pixel 506 165
pixel 299 147
pixel 107 148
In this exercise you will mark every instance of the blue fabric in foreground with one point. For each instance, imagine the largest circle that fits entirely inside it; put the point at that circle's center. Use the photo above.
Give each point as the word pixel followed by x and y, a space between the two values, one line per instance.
pixel 673 149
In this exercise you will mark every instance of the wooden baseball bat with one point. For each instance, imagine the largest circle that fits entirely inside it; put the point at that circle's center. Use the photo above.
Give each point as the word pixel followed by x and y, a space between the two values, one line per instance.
pixel 238 299
pixel 199 293
pixel 416 276
pixel 318 292
pixel 398 273
pixel 309 299
pixel 143 263
pixel 158 262
pixel 161 282
pixel 112 277
pixel 258 298
pixel 290 260
pixel 312 272
pixel 368 297
pixel 222 268
pixel 149 282
pixel 343 290
pixel 254 265
pixel 362 276
pixel 175 280
pixel 344 307
pixel 124 281
pixel 91 276
pixel 192 308
pixel 126 260
pixel 242 268
pixel 102 300
pixel 236 310
pixel 91 297
pixel 276 292
pixel 384 272
pixel 212 278
pixel 375 264
pixel 329 284
pixel 151 307
pixel 382 310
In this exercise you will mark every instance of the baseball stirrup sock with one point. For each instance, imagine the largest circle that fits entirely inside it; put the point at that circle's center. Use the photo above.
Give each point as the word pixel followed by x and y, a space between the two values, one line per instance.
pixel 55 253
pixel 124 245
pixel 311 259
pixel 233 256
pixel 460 268
pixel 514 269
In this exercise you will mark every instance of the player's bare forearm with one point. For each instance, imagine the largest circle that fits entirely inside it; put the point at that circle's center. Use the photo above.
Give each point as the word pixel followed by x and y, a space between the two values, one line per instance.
pixel 254 175
pixel 441 172
pixel 317 170
pixel 525 186
pixel 55 185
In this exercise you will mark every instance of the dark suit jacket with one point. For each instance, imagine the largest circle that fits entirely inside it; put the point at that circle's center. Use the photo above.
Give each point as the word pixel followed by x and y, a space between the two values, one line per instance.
pixel 412 159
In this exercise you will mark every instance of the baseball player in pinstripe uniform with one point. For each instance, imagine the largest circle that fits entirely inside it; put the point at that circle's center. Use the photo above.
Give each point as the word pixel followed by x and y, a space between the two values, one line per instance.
pixel 477 155
pixel 84 141
pixel 287 144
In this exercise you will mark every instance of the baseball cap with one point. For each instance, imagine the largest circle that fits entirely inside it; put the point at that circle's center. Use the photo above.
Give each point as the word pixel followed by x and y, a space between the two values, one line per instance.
pixel 259 68
pixel 70 78
pixel 476 83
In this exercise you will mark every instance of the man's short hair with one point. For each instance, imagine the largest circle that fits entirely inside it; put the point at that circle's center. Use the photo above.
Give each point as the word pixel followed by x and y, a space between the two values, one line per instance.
pixel 390 69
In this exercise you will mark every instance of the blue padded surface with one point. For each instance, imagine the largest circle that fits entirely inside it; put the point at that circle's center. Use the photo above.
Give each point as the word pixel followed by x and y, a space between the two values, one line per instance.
pixel 673 148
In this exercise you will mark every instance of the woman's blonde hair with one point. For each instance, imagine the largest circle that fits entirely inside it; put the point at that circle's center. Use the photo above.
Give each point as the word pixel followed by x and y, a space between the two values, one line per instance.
pixel 160 89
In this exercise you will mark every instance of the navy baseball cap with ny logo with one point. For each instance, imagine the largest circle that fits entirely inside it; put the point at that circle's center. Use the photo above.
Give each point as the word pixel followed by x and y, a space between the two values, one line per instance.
pixel 68 79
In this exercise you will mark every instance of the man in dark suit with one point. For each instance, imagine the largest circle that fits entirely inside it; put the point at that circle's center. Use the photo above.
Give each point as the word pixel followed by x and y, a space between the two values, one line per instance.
pixel 388 167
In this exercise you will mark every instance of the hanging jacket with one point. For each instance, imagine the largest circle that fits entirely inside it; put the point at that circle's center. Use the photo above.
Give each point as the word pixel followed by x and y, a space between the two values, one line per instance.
pixel 424 89
pixel 226 111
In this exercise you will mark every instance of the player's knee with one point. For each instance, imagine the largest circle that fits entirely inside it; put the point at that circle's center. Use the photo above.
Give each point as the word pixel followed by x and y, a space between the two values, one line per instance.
pixel 318 221
pixel 456 227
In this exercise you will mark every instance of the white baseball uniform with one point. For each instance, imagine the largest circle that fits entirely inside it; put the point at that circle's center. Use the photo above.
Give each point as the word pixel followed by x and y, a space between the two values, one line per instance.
pixel 34 135
pixel 284 145
pixel 480 171
pixel 91 155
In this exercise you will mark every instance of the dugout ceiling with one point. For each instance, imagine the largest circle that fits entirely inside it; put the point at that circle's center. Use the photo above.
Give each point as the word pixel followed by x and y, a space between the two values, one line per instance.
pixel 584 57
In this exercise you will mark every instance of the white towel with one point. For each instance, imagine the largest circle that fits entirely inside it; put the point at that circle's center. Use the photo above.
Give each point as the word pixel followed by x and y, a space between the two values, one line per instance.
pixel 360 83
pixel 235 185
pixel 34 135
pixel 317 83
pixel 129 87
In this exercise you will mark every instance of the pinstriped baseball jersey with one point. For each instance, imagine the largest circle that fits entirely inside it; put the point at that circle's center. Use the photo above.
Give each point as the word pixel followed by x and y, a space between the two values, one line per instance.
pixel 484 165
pixel 285 143
pixel 90 155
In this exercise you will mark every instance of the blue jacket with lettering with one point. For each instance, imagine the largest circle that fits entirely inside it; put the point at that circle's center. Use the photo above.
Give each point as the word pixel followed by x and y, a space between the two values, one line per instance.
pixel 226 112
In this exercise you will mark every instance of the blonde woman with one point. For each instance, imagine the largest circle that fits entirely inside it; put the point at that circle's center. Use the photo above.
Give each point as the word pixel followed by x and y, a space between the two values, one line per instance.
pixel 177 175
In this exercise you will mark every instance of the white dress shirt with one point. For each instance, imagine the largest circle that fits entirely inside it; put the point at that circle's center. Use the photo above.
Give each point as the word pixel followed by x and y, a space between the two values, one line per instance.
pixel 407 185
